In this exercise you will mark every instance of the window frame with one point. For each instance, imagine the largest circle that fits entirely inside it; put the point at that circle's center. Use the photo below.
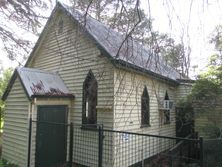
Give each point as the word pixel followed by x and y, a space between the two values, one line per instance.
pixel 145 108
pixel 166 117
pixel 166 112
pixel 90 92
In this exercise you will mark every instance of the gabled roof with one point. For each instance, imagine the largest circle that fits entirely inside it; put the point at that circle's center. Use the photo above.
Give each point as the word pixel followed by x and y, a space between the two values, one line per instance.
pixel 128 52
pixel 124 53
pixel 39 83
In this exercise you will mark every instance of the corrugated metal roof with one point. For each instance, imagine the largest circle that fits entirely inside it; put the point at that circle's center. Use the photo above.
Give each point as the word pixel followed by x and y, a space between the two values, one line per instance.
pixel 131 52
pixel 42 83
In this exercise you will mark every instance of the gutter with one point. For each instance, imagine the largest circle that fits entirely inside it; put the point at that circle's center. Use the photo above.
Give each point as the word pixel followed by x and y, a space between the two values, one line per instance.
pixel 52 96
pixel 123 64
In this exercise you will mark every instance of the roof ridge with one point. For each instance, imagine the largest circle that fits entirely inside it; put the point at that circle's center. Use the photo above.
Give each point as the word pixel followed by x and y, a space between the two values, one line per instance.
pixel 114 43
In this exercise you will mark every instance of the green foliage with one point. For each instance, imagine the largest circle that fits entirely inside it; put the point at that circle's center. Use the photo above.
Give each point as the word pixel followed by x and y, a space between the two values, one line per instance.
pixel 129 19
pixel 174 55
pixel 205 88
pixel 214 71
pixel 185 103
pixel 206 93
pixel 4 163
pixel 206 96
pixel 209 83
pixel 4 79
pixel 211 130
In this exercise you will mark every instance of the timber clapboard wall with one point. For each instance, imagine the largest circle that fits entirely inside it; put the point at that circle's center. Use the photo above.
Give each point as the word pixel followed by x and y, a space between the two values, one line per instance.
pixel 15 143
pixel 71 54
pixel 128 89
pixel 183 90
pixel 67 50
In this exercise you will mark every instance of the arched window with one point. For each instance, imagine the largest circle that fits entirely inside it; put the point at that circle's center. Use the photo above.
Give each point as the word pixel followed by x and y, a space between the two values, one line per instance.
pixel 166 96
pixel 90 86
pixel 145 108
pixel 167 111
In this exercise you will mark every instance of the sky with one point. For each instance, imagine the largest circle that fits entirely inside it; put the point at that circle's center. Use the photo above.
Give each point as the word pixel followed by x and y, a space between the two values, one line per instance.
pixel 190 21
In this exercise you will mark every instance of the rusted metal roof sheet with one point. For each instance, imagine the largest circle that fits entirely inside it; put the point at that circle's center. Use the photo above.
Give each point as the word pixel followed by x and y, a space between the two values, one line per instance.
pixel 42 83
pixel 131 52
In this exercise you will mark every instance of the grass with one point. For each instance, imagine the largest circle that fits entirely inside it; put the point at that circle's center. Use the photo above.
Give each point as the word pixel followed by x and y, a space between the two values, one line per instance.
pixel 4 163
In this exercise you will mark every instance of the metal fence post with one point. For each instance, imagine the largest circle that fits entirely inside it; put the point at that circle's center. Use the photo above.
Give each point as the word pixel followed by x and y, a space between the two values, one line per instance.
pixel 70 144
pixel 100 161
pixel 29 142
pixel 201 152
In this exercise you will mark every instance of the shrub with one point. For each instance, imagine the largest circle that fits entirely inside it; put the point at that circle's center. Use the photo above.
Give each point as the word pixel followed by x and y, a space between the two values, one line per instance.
pixel 4 163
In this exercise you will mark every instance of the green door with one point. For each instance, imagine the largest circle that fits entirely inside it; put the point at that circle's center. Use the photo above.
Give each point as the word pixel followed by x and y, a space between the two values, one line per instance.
pixel 51 136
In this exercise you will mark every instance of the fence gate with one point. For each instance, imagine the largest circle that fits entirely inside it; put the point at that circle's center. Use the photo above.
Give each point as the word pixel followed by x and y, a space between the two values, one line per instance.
pixel 51 135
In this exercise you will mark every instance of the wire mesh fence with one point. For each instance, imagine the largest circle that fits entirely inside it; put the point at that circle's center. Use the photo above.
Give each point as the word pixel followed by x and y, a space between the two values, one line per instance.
pixel 94 146
pixel 212 152
pixel 85 145
pixel 134 149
